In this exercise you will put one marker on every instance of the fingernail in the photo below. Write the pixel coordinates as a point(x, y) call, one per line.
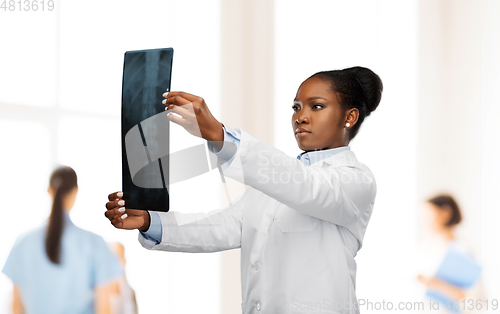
point(119, 194)
point(124, 216)
point(121, 210)
point(164, 101)
point(165, 94)
point(121, 202)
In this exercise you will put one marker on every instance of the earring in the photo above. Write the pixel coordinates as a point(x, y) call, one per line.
point(347, 124)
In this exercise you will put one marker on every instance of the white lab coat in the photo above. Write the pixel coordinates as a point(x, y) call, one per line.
point(298, 237)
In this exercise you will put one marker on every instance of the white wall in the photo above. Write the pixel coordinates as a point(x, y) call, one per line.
point(458, 109)
point(458, 150)
point(490, 147)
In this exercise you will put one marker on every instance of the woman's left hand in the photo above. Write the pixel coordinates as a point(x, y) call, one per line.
point(195, 116)
point(428, 281)
point(447, 288)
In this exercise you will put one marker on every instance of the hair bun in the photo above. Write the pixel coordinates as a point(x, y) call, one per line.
point(371, 85)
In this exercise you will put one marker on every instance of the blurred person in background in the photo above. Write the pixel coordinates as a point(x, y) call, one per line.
point(125, 301)
point(58, 267)
point(441, 215)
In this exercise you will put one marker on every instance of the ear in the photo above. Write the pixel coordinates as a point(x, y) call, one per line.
point(352, 116)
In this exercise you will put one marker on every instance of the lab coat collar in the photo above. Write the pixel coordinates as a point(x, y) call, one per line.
point(316, 156)
point(346, 157)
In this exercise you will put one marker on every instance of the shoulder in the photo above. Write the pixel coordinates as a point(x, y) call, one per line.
point(464, 246)
point(30, 235)
point(26, 246)
point(347, 160)
point(349, 171)
point(89, 236)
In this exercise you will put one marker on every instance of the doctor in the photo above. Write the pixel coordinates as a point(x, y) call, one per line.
point(303, 219)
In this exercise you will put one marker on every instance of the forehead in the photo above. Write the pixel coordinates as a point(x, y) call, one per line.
point(429, 206)
point(314, 87)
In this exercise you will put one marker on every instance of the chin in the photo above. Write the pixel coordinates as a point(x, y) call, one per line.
point(304, 147)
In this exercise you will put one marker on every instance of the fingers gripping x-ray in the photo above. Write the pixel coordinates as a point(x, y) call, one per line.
point(147, 143)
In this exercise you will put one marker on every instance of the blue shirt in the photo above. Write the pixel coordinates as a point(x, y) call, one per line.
point(86, 261)
point(231, 135)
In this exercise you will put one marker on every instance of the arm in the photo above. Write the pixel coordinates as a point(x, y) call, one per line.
point(225, 152)
point(448, 289)
point(338, 194)
point(230, 146)
point(214, 231)
point(335, 194)
point(17, 304)
point(217, 230)
point(103, 294)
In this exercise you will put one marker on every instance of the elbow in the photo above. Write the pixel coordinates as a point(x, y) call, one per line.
point(352, 215)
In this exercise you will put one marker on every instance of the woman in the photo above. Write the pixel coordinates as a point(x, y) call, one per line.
point(124, 302)
point(302, 221)
point(442, 216)
point(58, 267)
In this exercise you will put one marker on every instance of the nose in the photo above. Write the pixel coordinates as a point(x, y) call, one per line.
point(302, 116)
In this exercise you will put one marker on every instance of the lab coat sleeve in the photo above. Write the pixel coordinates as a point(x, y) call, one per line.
point(335, 193)
point(217, 230)
point(228, 150)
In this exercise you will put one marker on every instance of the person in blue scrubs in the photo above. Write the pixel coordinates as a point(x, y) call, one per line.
point(59, 267)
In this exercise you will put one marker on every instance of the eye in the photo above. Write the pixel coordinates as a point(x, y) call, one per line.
point(319, 105)
point(295, 107)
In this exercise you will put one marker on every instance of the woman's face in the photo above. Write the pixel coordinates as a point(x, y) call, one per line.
point(435, 216)
point(317, 110)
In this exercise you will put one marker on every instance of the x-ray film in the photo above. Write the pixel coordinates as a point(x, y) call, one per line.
point(145, 129)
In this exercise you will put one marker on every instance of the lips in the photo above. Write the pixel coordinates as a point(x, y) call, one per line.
point(300, 132)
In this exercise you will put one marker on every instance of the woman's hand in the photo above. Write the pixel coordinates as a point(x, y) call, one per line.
point(443, 286)
point(125, 218)
point(195, 116)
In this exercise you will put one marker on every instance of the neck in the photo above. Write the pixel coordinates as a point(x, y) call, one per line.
point(447, 233)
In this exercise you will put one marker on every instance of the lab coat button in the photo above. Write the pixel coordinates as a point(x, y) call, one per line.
point(257, 266)
point(258, 306)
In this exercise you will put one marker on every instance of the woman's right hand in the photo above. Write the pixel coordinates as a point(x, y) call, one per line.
point(125, 218)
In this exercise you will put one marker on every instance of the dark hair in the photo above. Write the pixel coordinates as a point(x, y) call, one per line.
point(62, 181)
point(358, 88)
point(445, 201)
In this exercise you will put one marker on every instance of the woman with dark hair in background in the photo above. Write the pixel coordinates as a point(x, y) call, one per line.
point(303, 219)
point(58, 267)
point(441, 217)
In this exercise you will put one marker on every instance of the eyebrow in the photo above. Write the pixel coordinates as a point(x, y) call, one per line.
point(310, 98)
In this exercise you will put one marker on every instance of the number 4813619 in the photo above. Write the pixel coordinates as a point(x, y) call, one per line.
point(27, 5)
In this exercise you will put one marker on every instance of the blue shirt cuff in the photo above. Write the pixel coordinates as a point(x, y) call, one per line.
point(155, 231)
point(230, 146)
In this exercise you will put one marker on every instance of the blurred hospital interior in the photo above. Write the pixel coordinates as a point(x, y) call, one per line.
point(434, 132)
